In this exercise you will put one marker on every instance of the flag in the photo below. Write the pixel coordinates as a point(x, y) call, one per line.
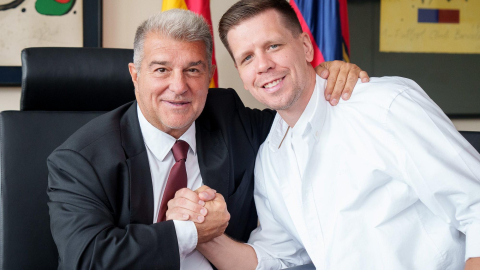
point(326, 22)
point(201, 7)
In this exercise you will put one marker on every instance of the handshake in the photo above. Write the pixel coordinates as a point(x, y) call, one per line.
point(205, 207)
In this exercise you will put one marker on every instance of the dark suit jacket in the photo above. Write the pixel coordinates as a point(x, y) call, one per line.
point(100, 186)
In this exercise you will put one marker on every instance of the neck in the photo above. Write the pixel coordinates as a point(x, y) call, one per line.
point(293, 113)
point(177, 133)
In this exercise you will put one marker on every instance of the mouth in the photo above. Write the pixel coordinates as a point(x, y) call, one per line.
point(177, 104)
point(273, 83)
point(273, 86)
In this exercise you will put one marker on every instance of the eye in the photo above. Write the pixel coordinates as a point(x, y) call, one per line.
point(161, 70)
point(193, 70)
point(247, 58)
point(274, 46)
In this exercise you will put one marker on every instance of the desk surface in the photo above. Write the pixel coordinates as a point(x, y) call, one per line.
point(303, 267)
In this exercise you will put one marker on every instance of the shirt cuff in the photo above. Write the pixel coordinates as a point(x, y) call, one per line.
point(187, 237)
point(265, 261)
point(472, 233)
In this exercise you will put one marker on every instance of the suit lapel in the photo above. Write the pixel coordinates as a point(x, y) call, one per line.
point(141, 189)
point(213, 157)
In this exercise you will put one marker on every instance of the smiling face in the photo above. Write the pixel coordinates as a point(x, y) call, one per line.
point(171, 86)
point(273, 63)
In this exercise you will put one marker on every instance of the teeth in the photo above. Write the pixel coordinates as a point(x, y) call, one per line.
point(272, 84)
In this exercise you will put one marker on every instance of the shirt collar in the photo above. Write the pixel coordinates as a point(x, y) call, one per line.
point(159, 142)
point(310, 122)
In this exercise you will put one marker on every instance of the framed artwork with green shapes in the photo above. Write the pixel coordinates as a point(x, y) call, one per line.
point(45, 23)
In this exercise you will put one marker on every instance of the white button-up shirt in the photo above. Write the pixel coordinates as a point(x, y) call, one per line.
point(383, 181)
point(160, 158)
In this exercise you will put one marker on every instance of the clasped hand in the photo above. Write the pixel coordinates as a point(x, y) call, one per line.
point(206, 208)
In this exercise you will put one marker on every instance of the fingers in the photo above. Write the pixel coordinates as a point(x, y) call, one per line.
point(219, 198)
point(354, 72)
point(202, 188)
point(351, 81)
point(189, 195)
point(322, 70)
point(183, 209)
point(334, 70)
point(205, 193)
point(185, 214)
point(186, 206)
point(216, 221)
point(340, 84)
point(342, 80)
point(364, 76)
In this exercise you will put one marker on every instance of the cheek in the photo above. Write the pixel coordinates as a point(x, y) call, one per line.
point(248, 79)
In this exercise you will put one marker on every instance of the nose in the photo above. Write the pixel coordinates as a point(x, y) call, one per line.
point(264, 63)
point(178, 83)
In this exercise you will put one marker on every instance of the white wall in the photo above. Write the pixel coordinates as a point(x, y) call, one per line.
point(120, 20)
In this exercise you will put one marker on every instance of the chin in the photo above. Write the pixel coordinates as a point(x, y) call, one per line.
point(179, 124)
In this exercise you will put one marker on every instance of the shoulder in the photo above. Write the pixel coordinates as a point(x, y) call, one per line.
point(378, 95)
point(382, 90)
point(105, 128)
point(221, 104)
point(222, 99)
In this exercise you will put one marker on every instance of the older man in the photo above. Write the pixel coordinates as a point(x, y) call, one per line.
point(110, 182)
point(383, 181)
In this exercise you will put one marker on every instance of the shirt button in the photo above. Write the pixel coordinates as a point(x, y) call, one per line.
point(317, 134)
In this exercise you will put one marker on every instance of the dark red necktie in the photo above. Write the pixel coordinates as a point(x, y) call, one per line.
point(177, 178)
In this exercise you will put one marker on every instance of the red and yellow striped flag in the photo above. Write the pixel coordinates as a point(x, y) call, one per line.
point(201, 7)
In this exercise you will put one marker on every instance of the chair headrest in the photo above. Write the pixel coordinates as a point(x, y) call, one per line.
point(75, 79)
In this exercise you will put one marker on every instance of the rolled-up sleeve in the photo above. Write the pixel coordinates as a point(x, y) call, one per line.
point(439, 164)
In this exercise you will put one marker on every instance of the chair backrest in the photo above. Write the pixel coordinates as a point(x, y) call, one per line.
point(473, 137)
point(62, 89)
point(26, 140)
point(75, 79)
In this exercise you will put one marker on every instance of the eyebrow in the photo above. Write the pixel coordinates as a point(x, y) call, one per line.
point(200, 62)
point(165, 63)
point(162, 63)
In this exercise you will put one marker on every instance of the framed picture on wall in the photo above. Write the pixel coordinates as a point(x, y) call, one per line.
point(45, 23)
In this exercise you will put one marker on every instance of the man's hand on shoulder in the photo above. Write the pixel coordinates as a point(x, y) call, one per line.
point(206, 208)
point(341, 79)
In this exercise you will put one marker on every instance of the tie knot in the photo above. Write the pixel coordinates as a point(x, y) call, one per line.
point(180, 150)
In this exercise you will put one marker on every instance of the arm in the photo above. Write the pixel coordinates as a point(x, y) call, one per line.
point(226, 253)
point(84, 227)
point(270, 246)
point(472, 264)
point(437, 162)
point(222, 251)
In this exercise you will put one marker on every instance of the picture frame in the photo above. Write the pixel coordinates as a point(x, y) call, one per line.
point(92, 37)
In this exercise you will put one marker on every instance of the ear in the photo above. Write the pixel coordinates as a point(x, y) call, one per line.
point(307, 46)
point(133, 74)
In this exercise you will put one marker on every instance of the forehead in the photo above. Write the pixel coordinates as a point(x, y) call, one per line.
point(157, 45)
point(264, 24)
point(264, 27)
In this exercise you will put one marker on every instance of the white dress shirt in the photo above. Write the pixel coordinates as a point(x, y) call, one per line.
point(160, 158)
point(383, 181)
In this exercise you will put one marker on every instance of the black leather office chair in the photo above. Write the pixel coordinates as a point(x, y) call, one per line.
point(473, 138)
point(75, 79)
point(62, 89)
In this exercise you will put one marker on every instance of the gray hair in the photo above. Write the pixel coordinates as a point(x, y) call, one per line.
point(177, 24)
